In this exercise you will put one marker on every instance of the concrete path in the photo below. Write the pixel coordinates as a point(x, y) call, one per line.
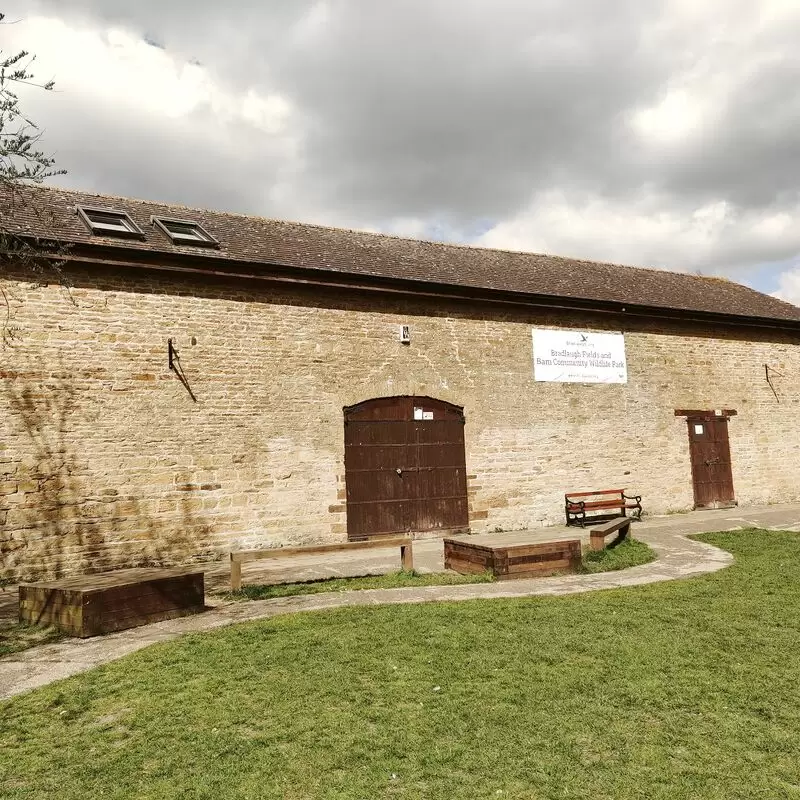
point(678, 557)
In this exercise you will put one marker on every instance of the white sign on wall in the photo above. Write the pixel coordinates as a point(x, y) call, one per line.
point(562, 356)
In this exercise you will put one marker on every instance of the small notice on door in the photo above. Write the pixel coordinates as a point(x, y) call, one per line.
point(420, 413)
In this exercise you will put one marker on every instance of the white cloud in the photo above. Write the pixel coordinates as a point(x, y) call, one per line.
point(270, 114)
point(789, 285)
point(411, 227)
point(118, 69)
point(128, 107)
point(649, 231)
point(675, 117)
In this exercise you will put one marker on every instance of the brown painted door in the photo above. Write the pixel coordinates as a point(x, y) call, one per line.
point(405, 467)
point(710, 454)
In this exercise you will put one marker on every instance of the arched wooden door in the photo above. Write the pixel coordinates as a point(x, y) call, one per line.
point(405, 468)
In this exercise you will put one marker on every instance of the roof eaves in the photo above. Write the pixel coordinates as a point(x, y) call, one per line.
point(202, 261)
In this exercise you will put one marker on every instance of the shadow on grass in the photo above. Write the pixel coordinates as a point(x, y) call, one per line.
point(16, 637)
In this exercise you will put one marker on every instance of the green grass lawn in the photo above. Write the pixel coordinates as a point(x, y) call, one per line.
point(685, 689)
point(628, 553)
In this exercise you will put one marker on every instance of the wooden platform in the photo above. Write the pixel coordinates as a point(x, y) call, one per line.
point(510, 561)
point(90, 605)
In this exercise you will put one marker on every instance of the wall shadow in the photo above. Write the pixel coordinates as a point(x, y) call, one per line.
point(59, 514)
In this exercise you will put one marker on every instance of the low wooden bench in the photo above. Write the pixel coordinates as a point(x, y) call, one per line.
point(598, 533)
point(603, 503)
point(405, 543)
point(510, 561)
point(89, 605)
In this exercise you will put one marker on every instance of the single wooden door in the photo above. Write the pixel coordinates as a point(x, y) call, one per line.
point(405, 469)
point(710, 455)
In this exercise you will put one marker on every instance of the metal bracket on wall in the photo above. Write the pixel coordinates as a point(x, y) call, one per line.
point(767, 371)
point(175, 365)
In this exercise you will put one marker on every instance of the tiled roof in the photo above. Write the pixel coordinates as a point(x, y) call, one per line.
point(272, 242)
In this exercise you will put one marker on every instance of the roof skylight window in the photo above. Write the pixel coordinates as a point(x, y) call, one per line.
point(185, 232)
point(107, 222)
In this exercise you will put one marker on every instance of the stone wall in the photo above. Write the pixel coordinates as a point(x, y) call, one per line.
point(107, 461)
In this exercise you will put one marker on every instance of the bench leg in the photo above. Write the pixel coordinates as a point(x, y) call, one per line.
point(407, 557)
point(236, 575)
point(622, 535)
point(596, 541)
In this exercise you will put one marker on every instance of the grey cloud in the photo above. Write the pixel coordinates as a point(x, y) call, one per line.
point(423, 111)
point(752, 155)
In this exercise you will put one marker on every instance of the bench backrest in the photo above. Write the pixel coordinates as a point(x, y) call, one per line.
point(571, 495)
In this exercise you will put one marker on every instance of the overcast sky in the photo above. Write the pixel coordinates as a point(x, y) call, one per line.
point(648, 132)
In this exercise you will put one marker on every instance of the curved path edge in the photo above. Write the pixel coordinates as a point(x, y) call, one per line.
point(677, 557)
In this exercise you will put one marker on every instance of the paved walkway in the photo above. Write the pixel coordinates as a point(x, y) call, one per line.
point(678, 557)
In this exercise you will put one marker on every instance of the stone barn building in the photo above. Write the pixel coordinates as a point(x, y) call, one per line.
point(186, 382)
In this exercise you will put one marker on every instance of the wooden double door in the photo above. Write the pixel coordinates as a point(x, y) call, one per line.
point(405, 467)
point(709, 450)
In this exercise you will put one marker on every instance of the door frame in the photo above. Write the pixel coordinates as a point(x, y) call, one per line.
point(697, 416)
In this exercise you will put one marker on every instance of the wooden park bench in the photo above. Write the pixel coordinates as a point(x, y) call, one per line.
point(242, 556)
point(602, 503)
point(597, 535)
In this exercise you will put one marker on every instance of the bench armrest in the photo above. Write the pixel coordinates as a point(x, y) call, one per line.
point(636, 497)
